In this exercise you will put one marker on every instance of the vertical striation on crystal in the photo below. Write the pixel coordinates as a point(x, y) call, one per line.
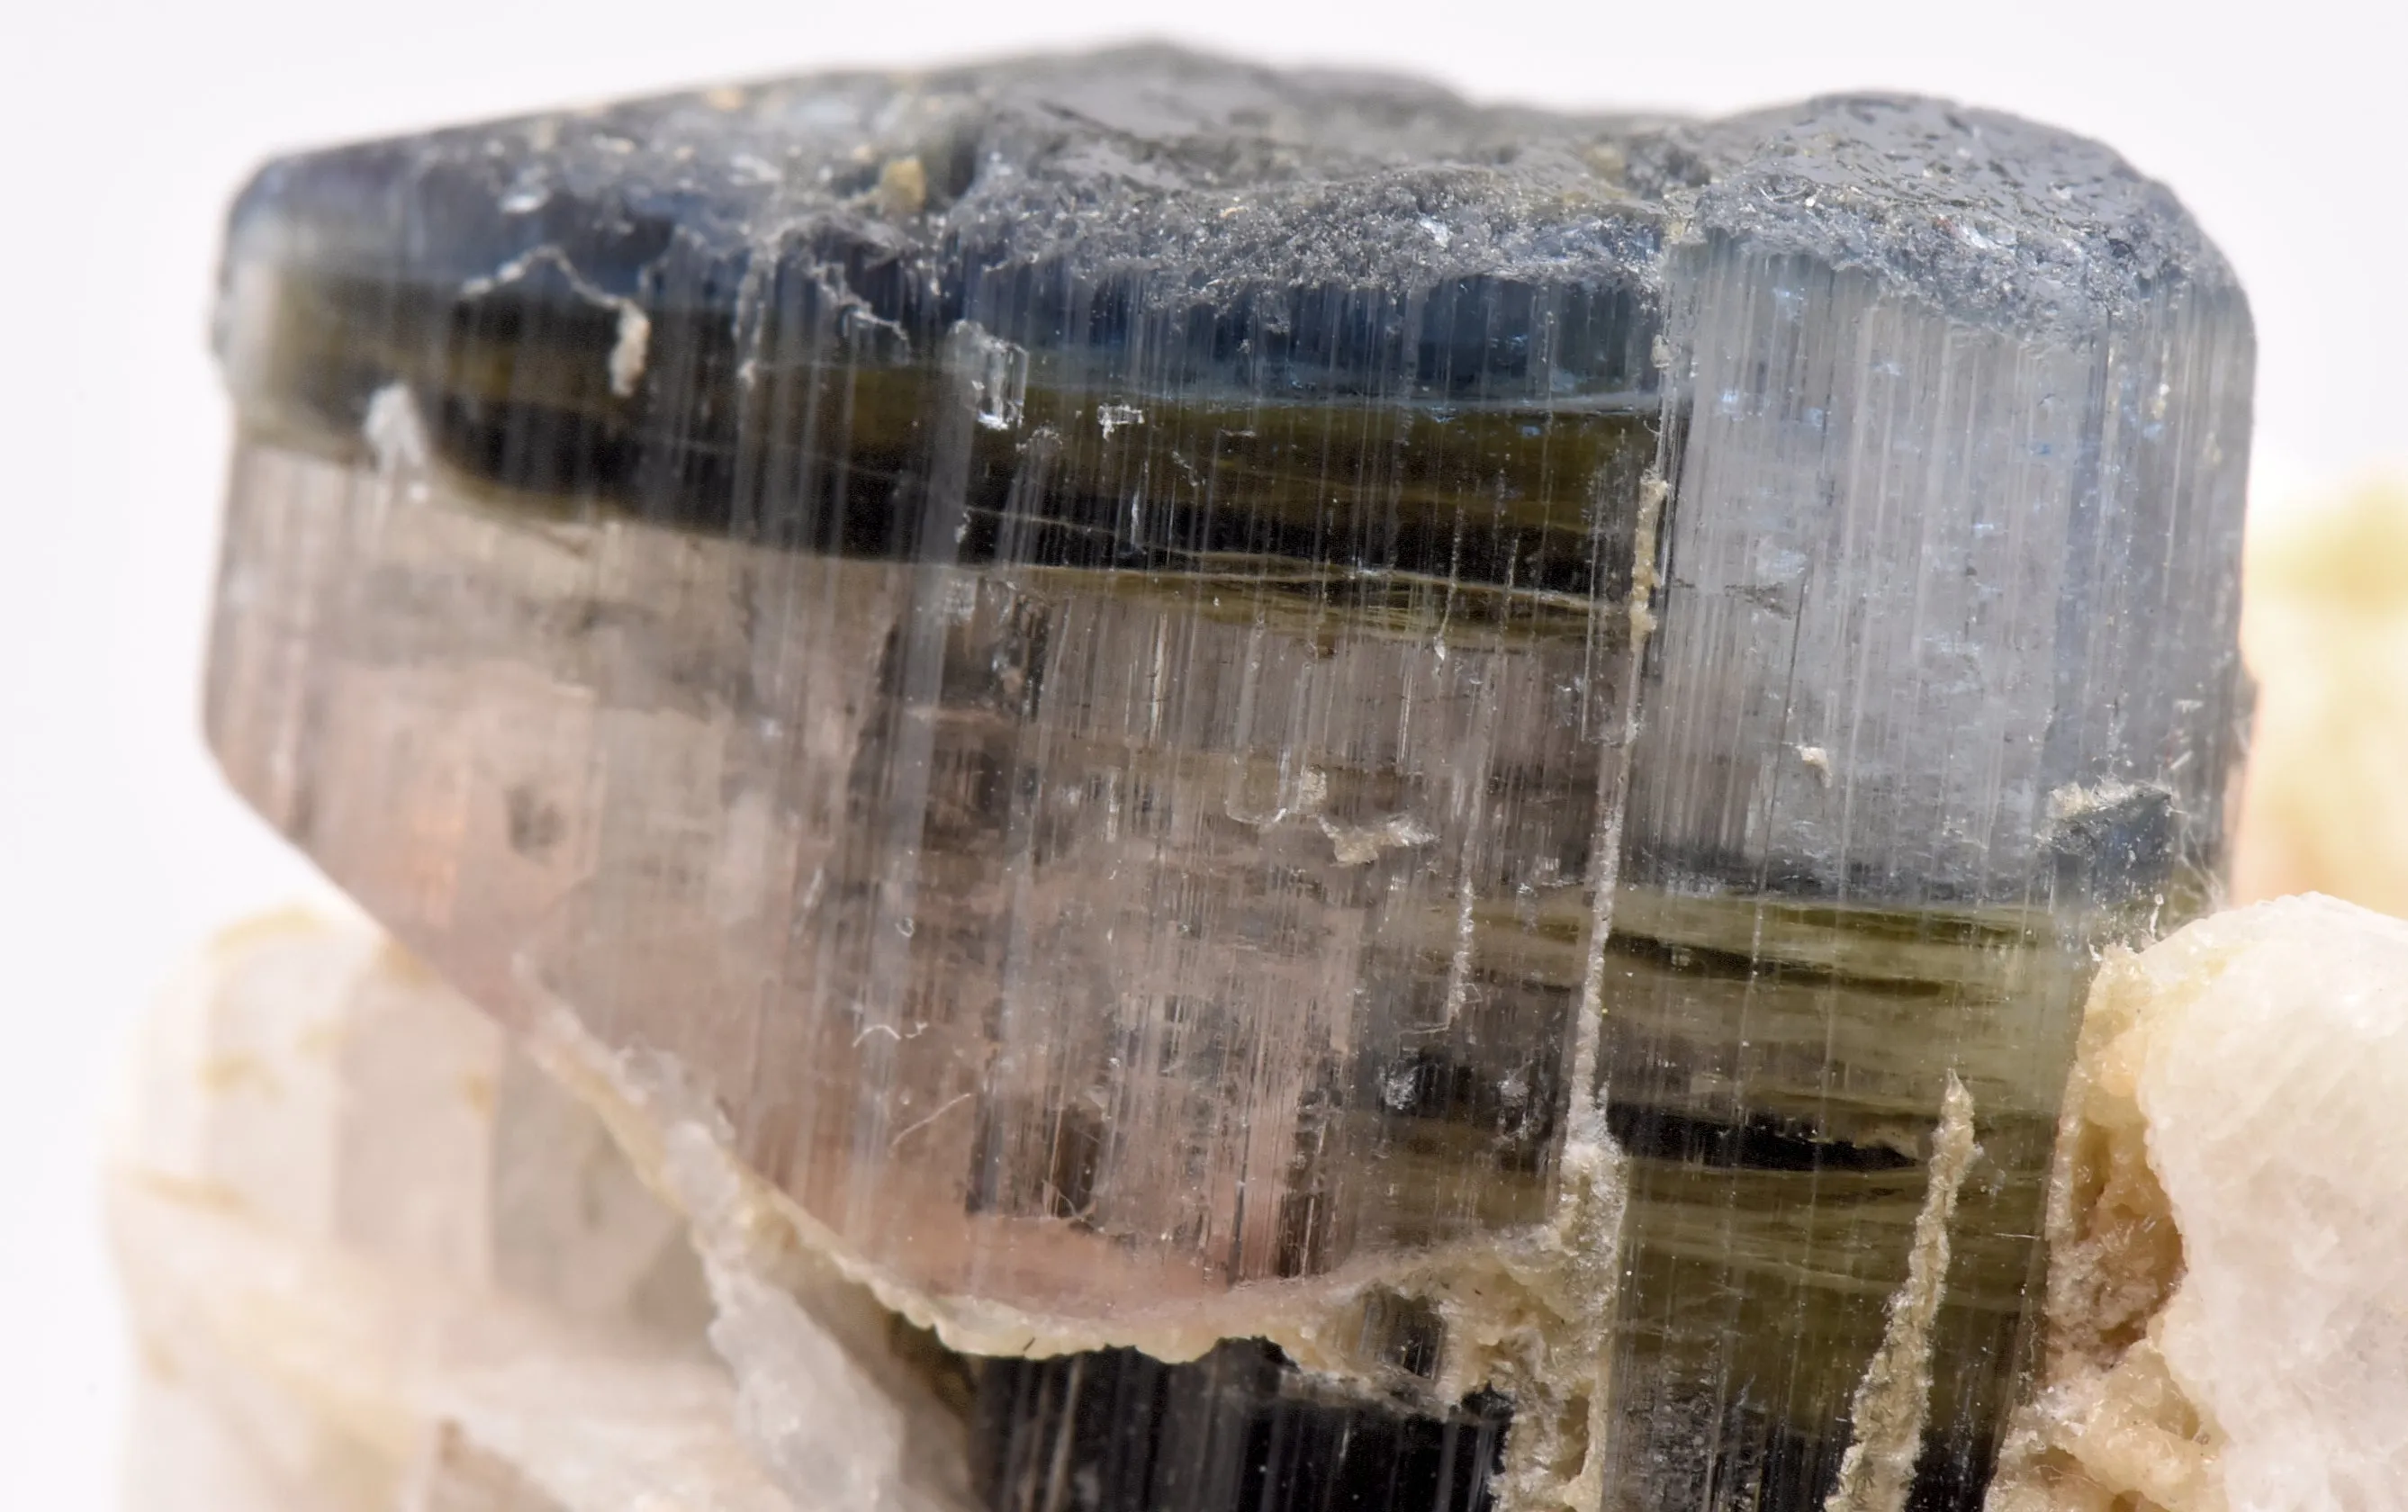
point(1942, 697)
point(1212, 705)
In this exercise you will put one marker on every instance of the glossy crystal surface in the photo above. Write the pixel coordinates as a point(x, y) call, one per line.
point(1178, 687)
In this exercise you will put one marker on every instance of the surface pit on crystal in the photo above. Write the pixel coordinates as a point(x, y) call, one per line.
point(1174, 749)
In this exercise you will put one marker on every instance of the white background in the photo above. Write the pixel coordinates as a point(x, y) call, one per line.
point(127, 126)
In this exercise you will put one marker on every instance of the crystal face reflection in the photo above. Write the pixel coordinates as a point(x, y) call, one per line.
point(1171, 747)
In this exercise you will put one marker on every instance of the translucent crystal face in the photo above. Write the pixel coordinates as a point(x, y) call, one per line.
point(1178, 688)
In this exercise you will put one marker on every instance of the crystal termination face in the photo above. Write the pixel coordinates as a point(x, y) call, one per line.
point(1206, 705)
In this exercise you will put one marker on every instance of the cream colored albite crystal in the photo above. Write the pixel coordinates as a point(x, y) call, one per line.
point(2275, 1104)
point(379, 1261)
point(2326, 631)
point(2228, 1291)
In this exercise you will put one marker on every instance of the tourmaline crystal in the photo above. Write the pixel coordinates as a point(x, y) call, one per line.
point(1196, 706)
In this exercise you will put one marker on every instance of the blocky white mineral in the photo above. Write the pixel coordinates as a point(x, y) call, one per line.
point(2230, 1287)
point(2275, 1093)
point(379, 1261)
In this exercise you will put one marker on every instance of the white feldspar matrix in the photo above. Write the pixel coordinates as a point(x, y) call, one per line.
point(2228, 1226)
point(1339, 777)
point(379, 1261)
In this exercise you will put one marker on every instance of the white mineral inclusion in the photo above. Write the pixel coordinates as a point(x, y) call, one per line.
point(2275, 1091)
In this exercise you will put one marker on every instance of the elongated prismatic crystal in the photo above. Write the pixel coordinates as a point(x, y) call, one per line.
point(1414, 796)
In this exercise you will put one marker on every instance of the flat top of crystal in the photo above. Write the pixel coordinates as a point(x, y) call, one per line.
point(1207, 175)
